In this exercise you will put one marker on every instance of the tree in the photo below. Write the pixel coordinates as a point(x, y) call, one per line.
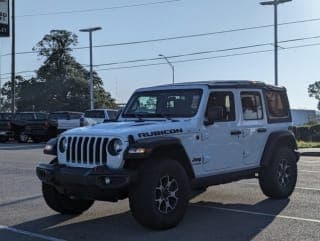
point(61, 82)
point(314, 91)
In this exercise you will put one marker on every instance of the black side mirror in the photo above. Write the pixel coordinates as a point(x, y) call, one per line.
point(214, 113)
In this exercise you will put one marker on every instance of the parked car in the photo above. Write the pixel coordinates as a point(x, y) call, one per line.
point(60, 121)
point(96, 116)
point(170, 142)
point(26, 125)
point(5, 130)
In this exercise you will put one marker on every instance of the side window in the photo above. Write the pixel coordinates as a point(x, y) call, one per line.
point(251, 105)
point(41, 116)
point(74, 116)
point(278, 105)
point(225, 100)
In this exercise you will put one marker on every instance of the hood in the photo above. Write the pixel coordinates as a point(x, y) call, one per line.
point(137, 129)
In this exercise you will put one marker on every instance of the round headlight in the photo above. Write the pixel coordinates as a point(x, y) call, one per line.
point(115, 146)
point(63, 144)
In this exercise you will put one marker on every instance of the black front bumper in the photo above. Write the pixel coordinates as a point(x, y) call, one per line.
point(88, 183)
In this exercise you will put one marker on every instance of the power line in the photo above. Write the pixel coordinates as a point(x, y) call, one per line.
point(178, 37)
point(208, 58)
point(208, 51)
point(196, 53)
point(99, 9)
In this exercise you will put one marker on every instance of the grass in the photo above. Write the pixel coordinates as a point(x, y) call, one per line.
point(303, 144)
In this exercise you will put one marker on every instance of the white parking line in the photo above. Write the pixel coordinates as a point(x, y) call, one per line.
point(309, 171)
point(302, 188)
point(258, 213)
point(30, 234)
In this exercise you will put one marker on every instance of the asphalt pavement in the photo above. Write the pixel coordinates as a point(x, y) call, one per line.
point(236, 211)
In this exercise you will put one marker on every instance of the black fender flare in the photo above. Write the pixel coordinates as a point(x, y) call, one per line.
point(275, 140)
point(51, 147)
point(157, 147)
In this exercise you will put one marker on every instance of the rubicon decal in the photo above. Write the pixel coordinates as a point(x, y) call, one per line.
point(160, 133)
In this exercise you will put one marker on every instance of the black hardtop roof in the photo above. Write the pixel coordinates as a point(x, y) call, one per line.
point(231, 84)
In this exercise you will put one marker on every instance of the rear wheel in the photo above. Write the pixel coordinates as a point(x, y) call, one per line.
point(62, 203)
point(161, 197)
point(279, 178)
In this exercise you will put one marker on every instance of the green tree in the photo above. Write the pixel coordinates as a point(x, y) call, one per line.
point(61, 82)
point(314, 91)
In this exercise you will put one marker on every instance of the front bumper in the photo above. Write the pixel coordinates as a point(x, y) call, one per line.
point(87, 183)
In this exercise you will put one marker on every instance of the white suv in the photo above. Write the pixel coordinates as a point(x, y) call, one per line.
point(171, 140)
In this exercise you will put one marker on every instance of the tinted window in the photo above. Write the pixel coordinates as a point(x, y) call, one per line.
point(41, 116)
point(225, 100)
point(27, 116)
point(74, 116)
point(58, 116)
point(278, 105)
point(5, 116)
point(94, 114)
point(251, 106)
point(112, 114)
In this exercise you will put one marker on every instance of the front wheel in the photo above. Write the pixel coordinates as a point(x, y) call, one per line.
point(160, 198)
point(62, 203)
point(279, 178)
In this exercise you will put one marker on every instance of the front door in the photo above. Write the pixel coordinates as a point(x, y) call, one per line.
point(221, 141)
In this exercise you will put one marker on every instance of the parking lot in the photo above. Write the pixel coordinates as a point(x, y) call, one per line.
point(237, 211)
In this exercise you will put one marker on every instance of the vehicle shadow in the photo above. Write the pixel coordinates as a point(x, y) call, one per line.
point(201, 222)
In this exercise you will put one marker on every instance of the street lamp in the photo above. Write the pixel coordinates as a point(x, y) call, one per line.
point(275, 3)
point(170, 64)
point(90, 30)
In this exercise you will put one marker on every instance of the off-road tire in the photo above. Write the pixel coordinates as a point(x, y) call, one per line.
point(278, 179)
point(146, 197)
point(22, 138)
point(63, 204)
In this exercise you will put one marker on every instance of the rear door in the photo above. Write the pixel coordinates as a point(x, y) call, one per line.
point(254, 131)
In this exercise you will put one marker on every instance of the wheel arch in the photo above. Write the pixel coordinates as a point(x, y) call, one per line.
point(159, 147)
point(275, 141)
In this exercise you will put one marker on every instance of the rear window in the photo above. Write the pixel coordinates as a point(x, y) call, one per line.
point(5, 116)
point(94, 114)
point(278, 106)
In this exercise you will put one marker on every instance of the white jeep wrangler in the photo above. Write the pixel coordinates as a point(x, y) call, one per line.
point(170, 141)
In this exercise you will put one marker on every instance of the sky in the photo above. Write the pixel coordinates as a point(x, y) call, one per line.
point(298, 67)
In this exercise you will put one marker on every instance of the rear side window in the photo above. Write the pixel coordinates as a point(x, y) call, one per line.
point(278, 106)
point(5, 116)
point(41, 116)
point(251, 105)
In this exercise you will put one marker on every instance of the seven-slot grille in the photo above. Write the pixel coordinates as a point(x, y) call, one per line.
point(91, 151)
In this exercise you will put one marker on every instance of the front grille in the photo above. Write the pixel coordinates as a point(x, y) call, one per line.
point(88, 151)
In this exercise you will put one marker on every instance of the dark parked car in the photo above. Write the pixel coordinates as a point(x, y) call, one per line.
point(61, 121)
point(26, 125)
point(5, 130)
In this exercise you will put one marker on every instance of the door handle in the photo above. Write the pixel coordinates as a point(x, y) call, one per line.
point(261, 130)
point(235, 133)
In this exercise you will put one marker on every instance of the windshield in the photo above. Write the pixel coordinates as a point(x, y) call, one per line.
point(165, 103)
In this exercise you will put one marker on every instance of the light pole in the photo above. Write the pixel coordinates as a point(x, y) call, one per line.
point(275, 3)
point(90, 30)
point(170, 64)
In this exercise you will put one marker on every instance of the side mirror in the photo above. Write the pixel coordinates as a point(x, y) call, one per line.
point(214, 113)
